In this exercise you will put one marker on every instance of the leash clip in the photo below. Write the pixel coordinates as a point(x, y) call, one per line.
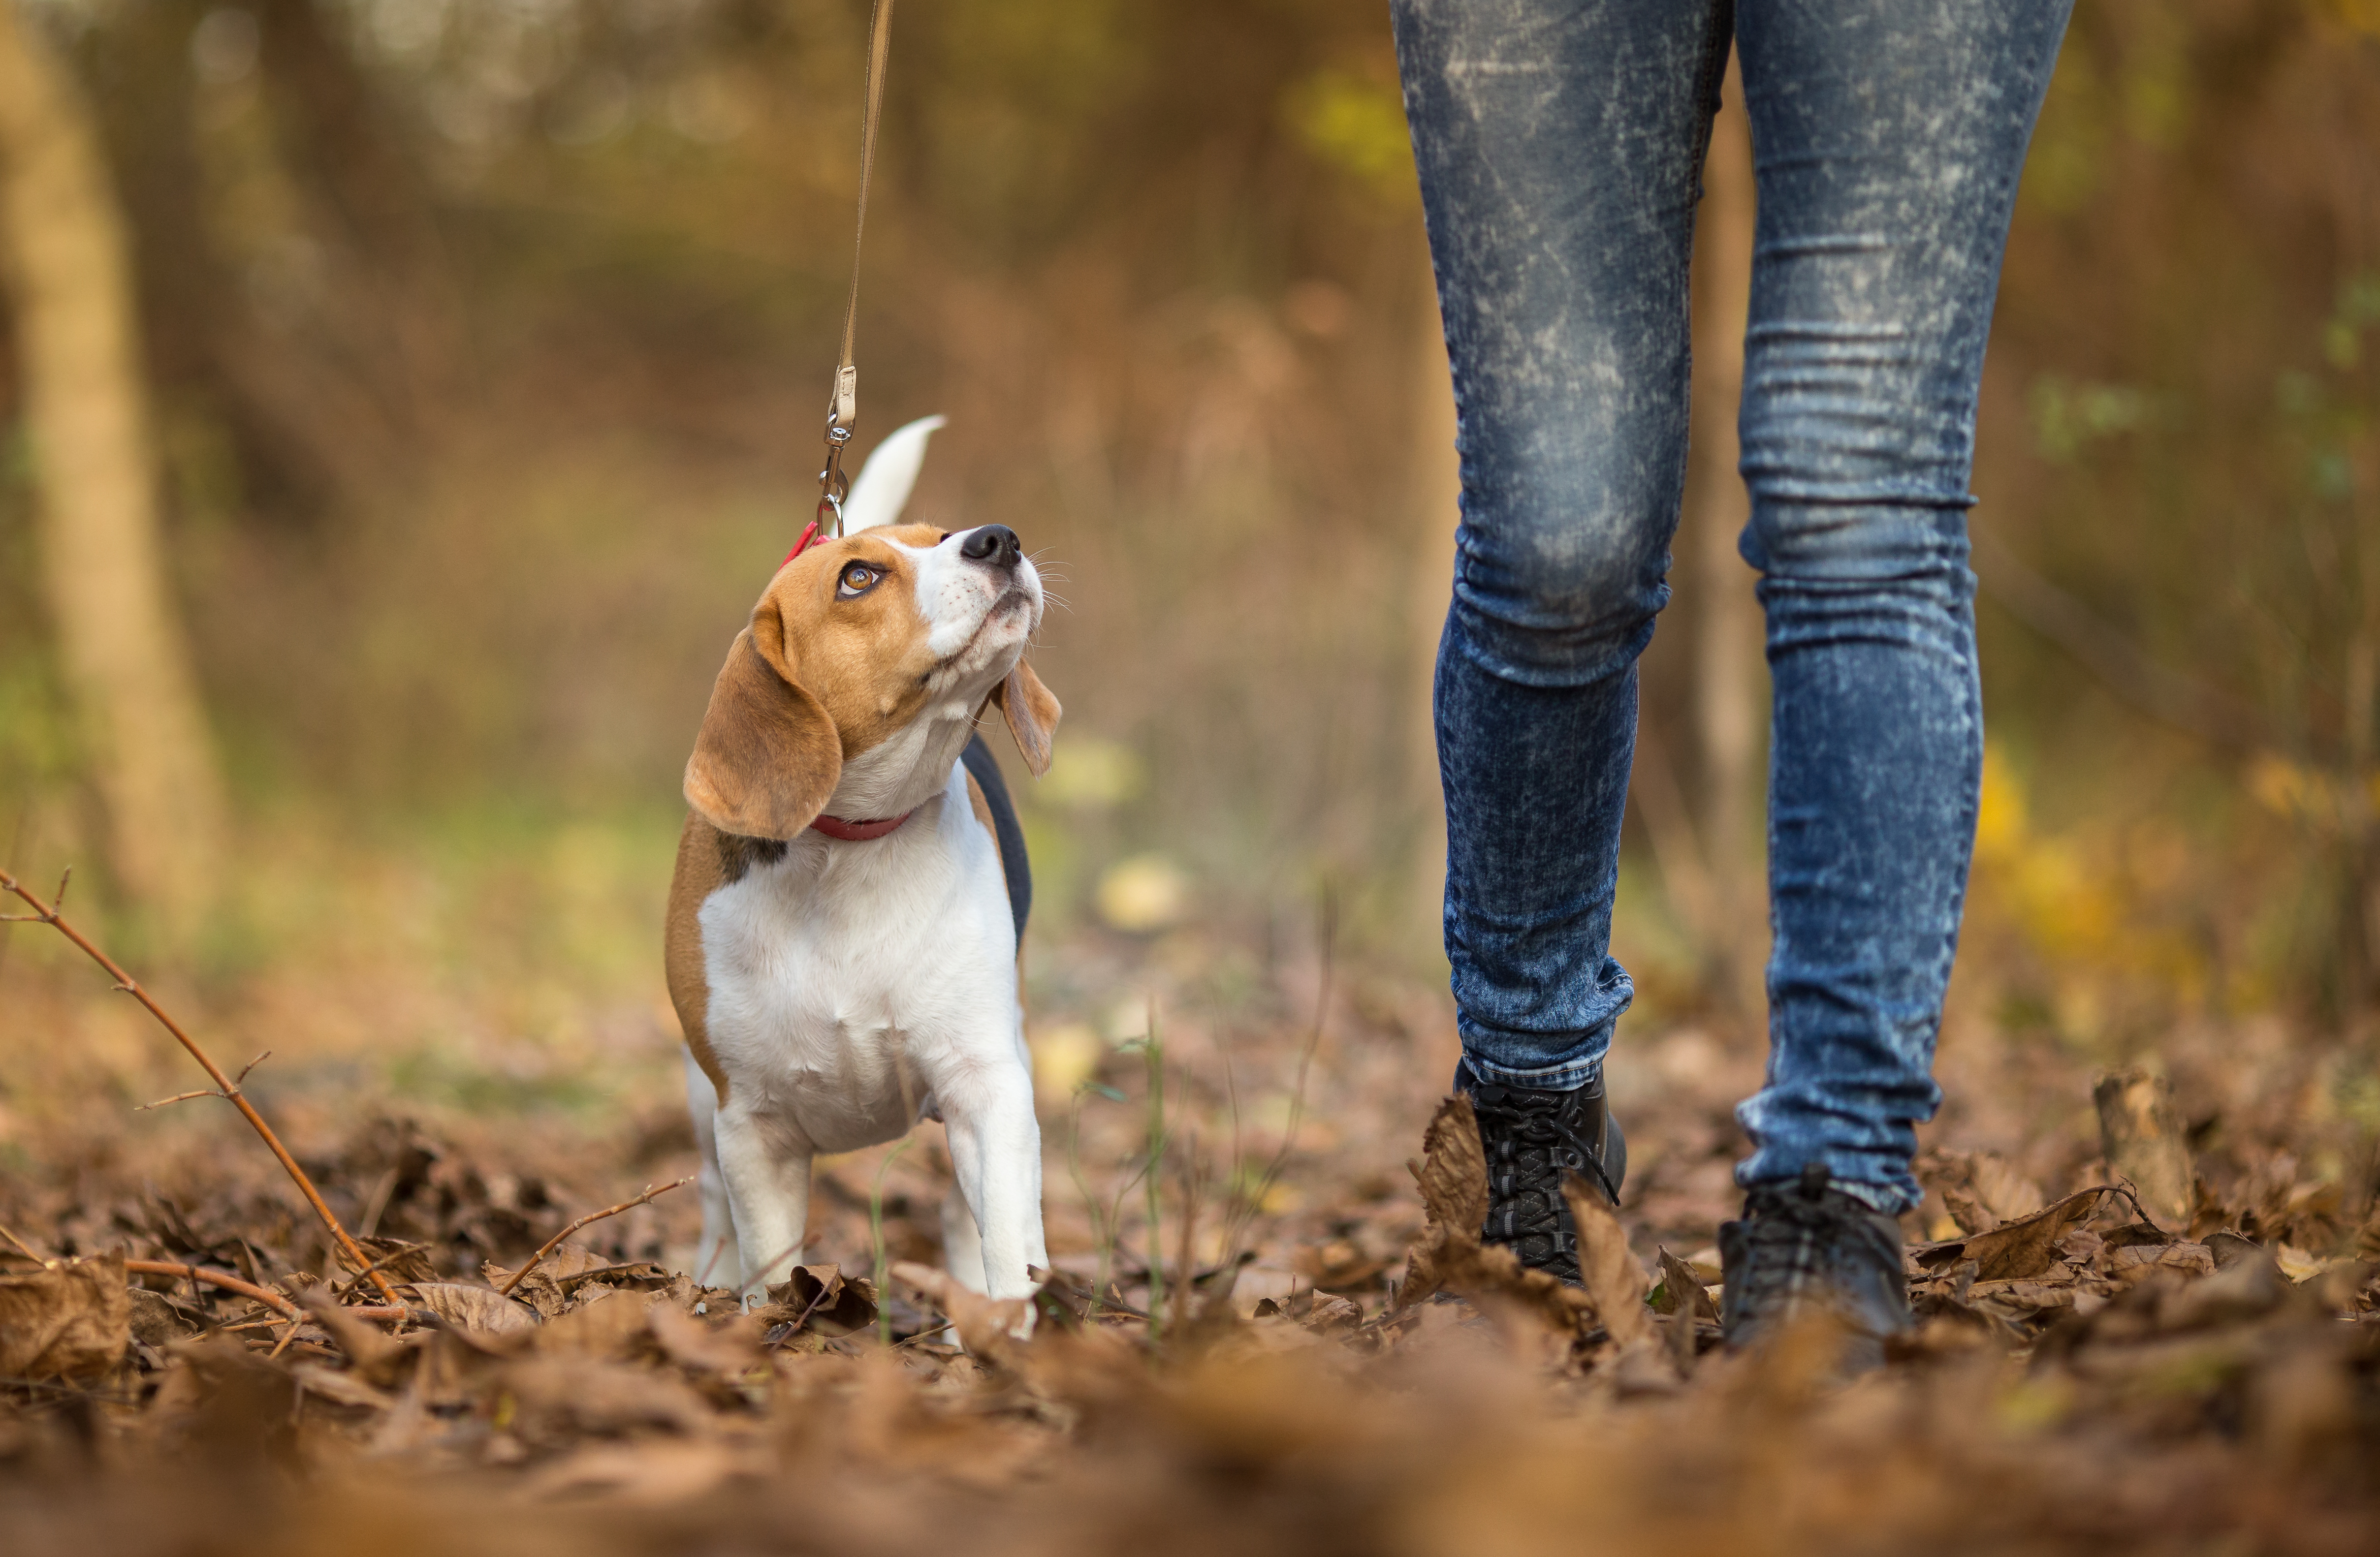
point(834, 485)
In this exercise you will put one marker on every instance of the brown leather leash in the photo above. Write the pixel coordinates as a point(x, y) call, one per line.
point(842, 404)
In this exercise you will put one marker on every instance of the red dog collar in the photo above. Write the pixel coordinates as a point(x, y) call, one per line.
point(809, 538)
point(859, 832)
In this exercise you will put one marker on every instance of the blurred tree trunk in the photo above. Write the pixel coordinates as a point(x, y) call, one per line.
point(124, 653)
point(1727, 659)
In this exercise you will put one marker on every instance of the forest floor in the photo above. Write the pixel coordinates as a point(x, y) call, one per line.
point(2084, 1378)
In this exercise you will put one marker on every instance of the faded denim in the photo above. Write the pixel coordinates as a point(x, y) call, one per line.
point(1559, 145)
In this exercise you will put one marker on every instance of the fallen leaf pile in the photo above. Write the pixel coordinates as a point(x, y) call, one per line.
point(2083, 1378)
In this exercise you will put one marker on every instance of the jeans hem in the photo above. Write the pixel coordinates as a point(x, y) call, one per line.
point(1566, 1076)
point(1892, 1197)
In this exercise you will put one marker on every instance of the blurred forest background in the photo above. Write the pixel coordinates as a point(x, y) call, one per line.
point(477, 353)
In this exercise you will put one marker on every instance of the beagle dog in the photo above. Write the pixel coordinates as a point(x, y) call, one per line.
point(842, 931)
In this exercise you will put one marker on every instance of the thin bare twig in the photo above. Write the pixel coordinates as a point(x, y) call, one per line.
point(556, 1242)
point(22, 1247)
point(177, 1097)
point(223, 1279)
point(48, 914)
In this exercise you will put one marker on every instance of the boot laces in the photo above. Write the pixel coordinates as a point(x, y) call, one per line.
point(1530, 1146)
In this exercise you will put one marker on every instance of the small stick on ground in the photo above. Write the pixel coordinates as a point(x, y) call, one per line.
point(47, 913)
point(223, 1279)
point(556, 1242)
point(21, 1247)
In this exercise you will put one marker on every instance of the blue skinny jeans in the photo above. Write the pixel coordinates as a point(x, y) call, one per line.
point(1559, 144)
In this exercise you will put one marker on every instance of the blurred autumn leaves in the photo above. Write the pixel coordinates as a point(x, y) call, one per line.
point(485, 342)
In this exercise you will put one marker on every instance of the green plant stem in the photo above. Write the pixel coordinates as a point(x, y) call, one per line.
point(1154, 1052)
point(876, 1231)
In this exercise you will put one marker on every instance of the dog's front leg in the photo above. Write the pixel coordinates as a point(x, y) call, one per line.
point(715, 1256)
point(766, 1165)
point(996, 1155)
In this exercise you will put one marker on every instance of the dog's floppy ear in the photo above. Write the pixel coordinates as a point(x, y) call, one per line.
point(1032, 715)
point(767, 755)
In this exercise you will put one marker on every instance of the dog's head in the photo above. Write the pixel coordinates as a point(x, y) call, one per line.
point(856, 639)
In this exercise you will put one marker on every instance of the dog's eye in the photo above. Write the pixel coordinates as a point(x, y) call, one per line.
point(858, 578)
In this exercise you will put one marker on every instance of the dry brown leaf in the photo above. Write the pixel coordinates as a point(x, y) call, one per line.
point(729, 1346)
point(339, 1387)
point(609, 1325)
point(554, 1393)
point(1452, 1172)
point(1327, 1313)
point(641, 1474)
point(1687, 1302)
point(1493, 1275)
point(72, 1319)
point(988, 1326)
point(159, 1320)
point(399, 1259)
point(2001, 1190)
point(475, 1310)
point(1967, 1213)
point(820, 1299)
point(2020, 1298)
point(2192, 1259)
point(376, 1356)
point(1685, 1282)
point(2247, 1290)
point(1612, 1277)
point(2028, 1247)
point(560, 1274)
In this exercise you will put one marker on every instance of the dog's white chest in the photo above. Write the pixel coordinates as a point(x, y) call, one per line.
point(845, 975)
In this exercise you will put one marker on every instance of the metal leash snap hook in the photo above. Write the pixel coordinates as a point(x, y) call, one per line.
point(834, 485)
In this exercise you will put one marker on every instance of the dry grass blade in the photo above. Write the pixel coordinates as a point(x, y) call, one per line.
point(47, 913)
point(22, 1247)
point(588, 1220)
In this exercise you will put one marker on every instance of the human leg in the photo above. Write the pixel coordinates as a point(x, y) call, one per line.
point(1888, 139)
point(1559, 148)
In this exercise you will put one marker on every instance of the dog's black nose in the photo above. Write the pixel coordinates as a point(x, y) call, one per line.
point(995, 544)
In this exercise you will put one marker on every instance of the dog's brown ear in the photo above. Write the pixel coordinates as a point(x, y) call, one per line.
point(1032, 714)
point(767, 755)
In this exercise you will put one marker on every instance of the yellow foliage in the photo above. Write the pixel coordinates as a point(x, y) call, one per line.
point(2361, 16)
point(2000, 815)
point(1357, 124)
point(2085, 904)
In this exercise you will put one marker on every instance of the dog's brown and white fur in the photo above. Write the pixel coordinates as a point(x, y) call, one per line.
point(832, 993)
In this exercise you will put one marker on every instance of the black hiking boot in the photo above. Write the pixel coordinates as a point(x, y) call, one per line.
point(1804, 1247)
point(1533, 1138)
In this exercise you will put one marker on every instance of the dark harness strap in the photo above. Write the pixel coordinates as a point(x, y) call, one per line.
point(986, 772)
